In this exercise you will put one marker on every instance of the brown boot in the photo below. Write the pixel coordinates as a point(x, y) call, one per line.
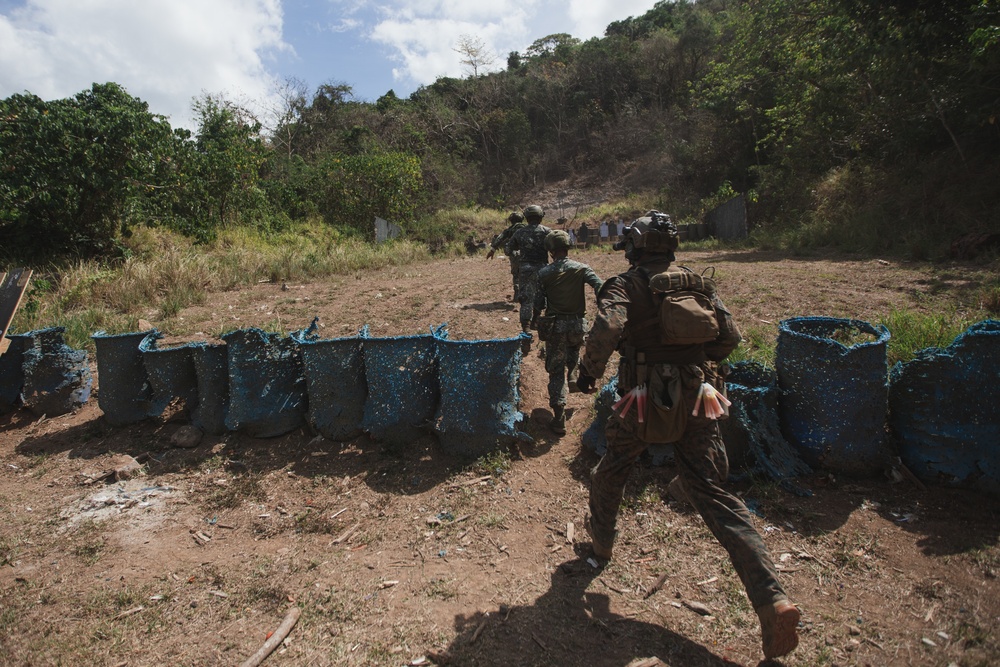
point(526, 343)
point(602, 551)
point(558, 423)
point(778, 623)
point(677, 491)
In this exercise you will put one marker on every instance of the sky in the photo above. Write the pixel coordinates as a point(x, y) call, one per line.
point(170, 52)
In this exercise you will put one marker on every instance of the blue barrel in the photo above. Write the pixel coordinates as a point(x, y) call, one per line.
point(943, 410)
point(171, 374)
point(479, 407)
point(403, 389)
point(57, 378)
point(211, 367)
point(123, 387)
point(267, 388)
point(834, 396)
point(335, 383)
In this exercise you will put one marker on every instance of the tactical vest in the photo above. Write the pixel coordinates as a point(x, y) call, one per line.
point(637, 337)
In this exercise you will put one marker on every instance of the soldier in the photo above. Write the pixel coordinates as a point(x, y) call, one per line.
point(673, 375)
point(561, 296)
point(503, 239)
point(530, 242)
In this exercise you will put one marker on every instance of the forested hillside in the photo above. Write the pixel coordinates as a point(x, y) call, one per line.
point(865, 126)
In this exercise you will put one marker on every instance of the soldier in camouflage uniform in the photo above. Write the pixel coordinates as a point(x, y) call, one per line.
point(624, 304)
point(530, 242)
point(561, 296)
point(503, 240)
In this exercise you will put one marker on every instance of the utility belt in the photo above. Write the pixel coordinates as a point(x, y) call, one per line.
point(680, 355)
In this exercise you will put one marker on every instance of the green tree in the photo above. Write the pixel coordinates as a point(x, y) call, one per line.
point(70, 169)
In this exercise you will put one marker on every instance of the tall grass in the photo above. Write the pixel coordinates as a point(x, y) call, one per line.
point(913, 331)
point(165, 272)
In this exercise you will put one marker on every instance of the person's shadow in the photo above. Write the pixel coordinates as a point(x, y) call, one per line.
point(568, 625)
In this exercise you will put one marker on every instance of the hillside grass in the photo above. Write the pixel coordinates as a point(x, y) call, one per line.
point(164, 272)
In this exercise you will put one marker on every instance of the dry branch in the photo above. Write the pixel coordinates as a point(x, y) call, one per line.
point(272, 642)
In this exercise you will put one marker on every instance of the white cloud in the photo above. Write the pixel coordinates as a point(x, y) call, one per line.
point(423, 34)
point(166, 52)
point(589, 18)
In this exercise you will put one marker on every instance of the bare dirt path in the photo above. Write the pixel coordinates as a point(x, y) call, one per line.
point(411, 557)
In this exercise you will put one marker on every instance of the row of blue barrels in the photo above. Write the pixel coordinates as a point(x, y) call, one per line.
point(846, 411)
point(832, 403)
point(396, 389)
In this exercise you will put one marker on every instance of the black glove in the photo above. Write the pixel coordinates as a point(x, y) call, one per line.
point(585, 383)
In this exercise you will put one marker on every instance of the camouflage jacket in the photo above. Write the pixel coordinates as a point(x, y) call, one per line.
point(503, 239)
point(530, 241)
point(561, 288)
point(627, 298)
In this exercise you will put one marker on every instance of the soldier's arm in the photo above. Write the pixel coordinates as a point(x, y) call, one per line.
point(592, 279)
point(729, 334)
point(541, 301)
point(609, 325)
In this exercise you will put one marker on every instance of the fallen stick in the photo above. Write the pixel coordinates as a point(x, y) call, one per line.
point(657, 585)
point(274, 640)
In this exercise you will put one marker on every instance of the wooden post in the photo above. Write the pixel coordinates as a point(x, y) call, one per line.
point(12, 288)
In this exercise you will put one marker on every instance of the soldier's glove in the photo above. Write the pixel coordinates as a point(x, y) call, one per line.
point(489, 255)
point(585, 383)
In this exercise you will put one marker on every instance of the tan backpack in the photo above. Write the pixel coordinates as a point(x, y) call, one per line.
point(687, 313)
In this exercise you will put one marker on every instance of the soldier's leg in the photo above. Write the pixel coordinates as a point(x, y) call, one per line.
point(515, 271)
point(555, 366)
point(526, 292)
point(607, 482)
point(572, 364)
point(701, 457)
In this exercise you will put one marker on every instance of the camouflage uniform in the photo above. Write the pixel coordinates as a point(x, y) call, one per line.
point(700, 452)
point(530, 242)
point(503, 239)
point(561, 295)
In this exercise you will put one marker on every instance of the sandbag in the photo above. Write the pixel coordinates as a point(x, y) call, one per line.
point(834, 397)
point(478, 409)
point(11, 373)
point(211, 366)
point(123, 386)
point(335, 382)
point(267, 388)
point(403, 389)
point(942, 410)
point(57, 378)
point(171, 374)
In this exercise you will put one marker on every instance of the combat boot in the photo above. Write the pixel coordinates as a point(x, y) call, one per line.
point(571, 377)
point(558, 423)
point(778, 623)
point(677, 491)
point(526, 343)
point(602, 551)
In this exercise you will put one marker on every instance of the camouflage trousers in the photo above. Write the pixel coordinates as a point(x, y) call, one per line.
point(703, 466)
point(562, 362)
point(527, 288)
point(515, 274)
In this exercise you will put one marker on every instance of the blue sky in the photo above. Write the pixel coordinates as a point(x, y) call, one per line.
point(169, 52)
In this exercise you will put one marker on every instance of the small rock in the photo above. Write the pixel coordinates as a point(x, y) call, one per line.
point(186, 437)
point(127, 469)
point(928, 642)
point(854, 630)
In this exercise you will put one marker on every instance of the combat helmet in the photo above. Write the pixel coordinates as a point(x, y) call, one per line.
point(515, 217)
point(557, 239)
point(534, 212)
point(654, 233)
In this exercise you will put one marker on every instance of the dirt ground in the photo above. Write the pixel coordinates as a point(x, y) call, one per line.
point(411, 557)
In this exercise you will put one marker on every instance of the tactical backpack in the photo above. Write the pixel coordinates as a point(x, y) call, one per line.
point(685, 303)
